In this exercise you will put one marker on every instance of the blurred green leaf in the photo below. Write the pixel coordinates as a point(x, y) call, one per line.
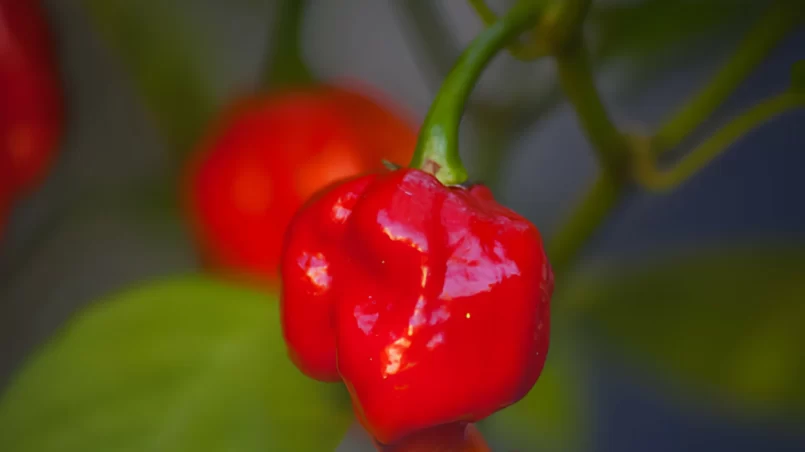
point(165, 58)
point(550, 417)
point(728, 322)
point(189, 364)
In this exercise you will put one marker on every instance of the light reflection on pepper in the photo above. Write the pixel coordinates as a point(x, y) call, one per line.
point(316, 268)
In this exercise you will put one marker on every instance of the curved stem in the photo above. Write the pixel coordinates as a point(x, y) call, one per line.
point(566, 245)
point(576, 79)
point(647, 173)
point(561, 25)
point(437, 148)
point(781, 18)
point(522, 51)
point(613, 148)
point(437, 49)
point(563, 29)
point(286, 65)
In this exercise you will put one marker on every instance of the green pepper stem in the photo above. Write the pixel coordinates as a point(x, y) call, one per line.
point(563, 28)
point(576, 78)
point(561, 24)
point(652, 178)
point(286, 65)
point(781, 18)
point(525, 51)
point(613, 147)
point(437, 148)
point(566, 245)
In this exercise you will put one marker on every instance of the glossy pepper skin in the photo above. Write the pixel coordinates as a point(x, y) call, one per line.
point(430, 302)
point(268, 154)
point(30, 94)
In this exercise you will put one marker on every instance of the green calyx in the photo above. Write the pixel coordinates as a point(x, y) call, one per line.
point(437, 149)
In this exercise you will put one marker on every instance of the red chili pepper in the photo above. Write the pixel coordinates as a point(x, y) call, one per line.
point(269, 154)
point(456, 437)
point(430, 302)
point(30, 94)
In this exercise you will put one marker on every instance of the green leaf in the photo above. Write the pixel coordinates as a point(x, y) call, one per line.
point(727, 323)
point(188, 364)
point(550, 416)
point(165, 59)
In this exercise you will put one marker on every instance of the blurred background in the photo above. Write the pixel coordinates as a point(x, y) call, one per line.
point(681, 328)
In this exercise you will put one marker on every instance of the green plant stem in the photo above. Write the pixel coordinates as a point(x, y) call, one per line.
point(566, 245)
point(647, 173)
point(561, 25)
point(485, 13)
point(563, 31)
point(525, 51)
point(164, 56)
point(437, 148)
point(436, 49)
point(781, 18)
point(576, 79)
point(286, 65)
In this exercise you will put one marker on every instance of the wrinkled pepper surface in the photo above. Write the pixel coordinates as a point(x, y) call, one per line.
point(430, 302)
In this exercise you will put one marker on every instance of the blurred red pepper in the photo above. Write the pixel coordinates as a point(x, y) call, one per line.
point(270, 153)
point(430, 302)
point(30, 94)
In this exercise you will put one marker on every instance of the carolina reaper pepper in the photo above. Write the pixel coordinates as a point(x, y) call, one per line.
point(456, 437)
point(430, 302)
point(269, 153)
